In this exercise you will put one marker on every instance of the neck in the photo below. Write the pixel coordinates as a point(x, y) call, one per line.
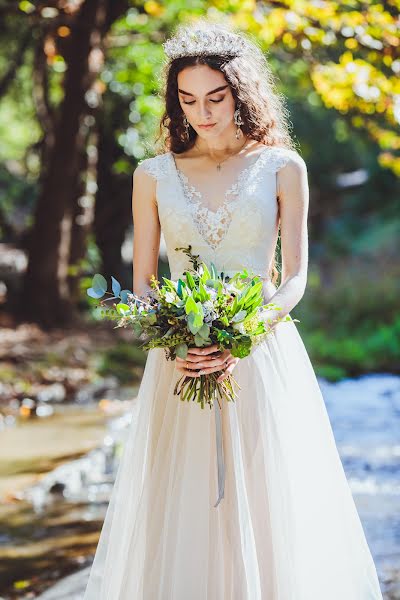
point(220, 146)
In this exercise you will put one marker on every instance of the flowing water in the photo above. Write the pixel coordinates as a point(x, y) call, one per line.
point(59, 518)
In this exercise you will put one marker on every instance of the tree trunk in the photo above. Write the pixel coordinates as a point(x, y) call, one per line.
point(113, 213)
point(44, 293)
point(46, 298)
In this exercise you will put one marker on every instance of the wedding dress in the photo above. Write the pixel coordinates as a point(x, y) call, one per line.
point(287, 527)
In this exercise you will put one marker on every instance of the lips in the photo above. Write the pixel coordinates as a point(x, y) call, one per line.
point(207, 126)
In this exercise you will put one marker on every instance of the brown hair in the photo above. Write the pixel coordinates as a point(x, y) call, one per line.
point(252, 83)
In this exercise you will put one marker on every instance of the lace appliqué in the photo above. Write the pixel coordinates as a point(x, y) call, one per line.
point(212, 225)
point(157, 166)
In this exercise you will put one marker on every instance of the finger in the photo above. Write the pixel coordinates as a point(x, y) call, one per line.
point(204, 351)
point(212, 361)
point(230, 366)
point(203, 358)
point(206, 363)
point(217, 364)
point(222, 355)
point(189, 372)
point(208, 370)
point(188, 360)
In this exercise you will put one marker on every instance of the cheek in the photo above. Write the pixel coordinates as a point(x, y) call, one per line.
point(225, 115)
point(226, 110)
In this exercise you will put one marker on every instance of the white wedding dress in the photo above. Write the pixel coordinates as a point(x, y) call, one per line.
point(287, 527)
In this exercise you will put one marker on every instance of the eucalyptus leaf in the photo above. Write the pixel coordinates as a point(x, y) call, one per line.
point(204, 331)
point(195, 322)
point(94, 294)
point(199, 340)
point(182, 350)
point(116, 286)
point(240, 316)
point(99, 286)
point(124, 295)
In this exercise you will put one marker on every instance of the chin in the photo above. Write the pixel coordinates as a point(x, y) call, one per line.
point(206, 133)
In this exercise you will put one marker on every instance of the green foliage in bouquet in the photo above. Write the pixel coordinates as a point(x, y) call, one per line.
point(200, 309)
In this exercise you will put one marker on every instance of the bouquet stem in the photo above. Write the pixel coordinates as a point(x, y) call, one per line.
point(205, 388)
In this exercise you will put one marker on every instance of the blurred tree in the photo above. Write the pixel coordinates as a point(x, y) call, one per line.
point(351, 50)
point(72, 34)
point(95, 80)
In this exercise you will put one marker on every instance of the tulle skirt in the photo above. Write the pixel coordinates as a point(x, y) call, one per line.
point(287, 527)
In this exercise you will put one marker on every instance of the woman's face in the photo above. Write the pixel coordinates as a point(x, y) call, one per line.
point(206, 98)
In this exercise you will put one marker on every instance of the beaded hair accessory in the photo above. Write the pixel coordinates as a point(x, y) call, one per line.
point(199, 42)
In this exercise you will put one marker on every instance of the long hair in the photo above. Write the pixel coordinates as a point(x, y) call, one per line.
point(253, 87)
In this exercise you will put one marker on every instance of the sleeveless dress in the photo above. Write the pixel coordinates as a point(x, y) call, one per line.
point(287, 527)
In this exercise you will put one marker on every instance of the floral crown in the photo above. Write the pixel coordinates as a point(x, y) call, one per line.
point(199, 42)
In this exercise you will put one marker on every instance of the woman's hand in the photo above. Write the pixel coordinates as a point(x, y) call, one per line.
point(202, 361)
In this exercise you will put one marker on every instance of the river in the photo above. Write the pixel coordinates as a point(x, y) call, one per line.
point(65, 509)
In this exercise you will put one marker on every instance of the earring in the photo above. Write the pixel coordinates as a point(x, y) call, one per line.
point(186, 126)
point(237, 117)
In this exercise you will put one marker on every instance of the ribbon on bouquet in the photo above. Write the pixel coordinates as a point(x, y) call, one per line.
point(220, 451)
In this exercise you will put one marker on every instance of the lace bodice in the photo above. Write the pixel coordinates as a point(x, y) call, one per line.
point(242, 232)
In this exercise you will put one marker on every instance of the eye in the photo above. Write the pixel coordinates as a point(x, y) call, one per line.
point(214, 101)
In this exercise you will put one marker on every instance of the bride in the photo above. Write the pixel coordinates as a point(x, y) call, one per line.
point(284, 525)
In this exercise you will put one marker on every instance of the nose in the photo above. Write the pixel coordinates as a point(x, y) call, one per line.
point(204, 112)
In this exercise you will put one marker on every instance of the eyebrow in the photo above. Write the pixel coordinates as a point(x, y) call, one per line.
point(218, 89)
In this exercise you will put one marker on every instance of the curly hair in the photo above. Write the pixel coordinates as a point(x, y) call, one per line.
point(253, 87)
point(252, 84)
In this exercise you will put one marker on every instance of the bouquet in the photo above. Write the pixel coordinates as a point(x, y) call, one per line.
point(200, 309)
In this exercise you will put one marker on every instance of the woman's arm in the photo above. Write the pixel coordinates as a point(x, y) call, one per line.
point(293, 196)
point(147, 231)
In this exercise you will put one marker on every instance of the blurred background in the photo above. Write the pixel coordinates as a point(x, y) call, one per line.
point(79, 108)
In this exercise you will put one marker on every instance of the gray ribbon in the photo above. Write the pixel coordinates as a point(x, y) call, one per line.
point(220, 453)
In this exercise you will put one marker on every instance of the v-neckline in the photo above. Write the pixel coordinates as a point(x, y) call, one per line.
point(234, 187)
point(221, 219)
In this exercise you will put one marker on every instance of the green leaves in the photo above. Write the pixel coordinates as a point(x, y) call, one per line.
point(195, 322)
point(241, 347)
point(182, 350)
point(190, 281)
point(194, 310)
point(190, 305)
point(124, 295)
point(202, 338)
point(123, 309)
point(202, 308)
point(99, 287)
point(116, 287)
point(240, 316)
point(181, 289)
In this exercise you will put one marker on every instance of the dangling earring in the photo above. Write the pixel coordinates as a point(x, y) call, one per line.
point(186, 126)
point(237, 117)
